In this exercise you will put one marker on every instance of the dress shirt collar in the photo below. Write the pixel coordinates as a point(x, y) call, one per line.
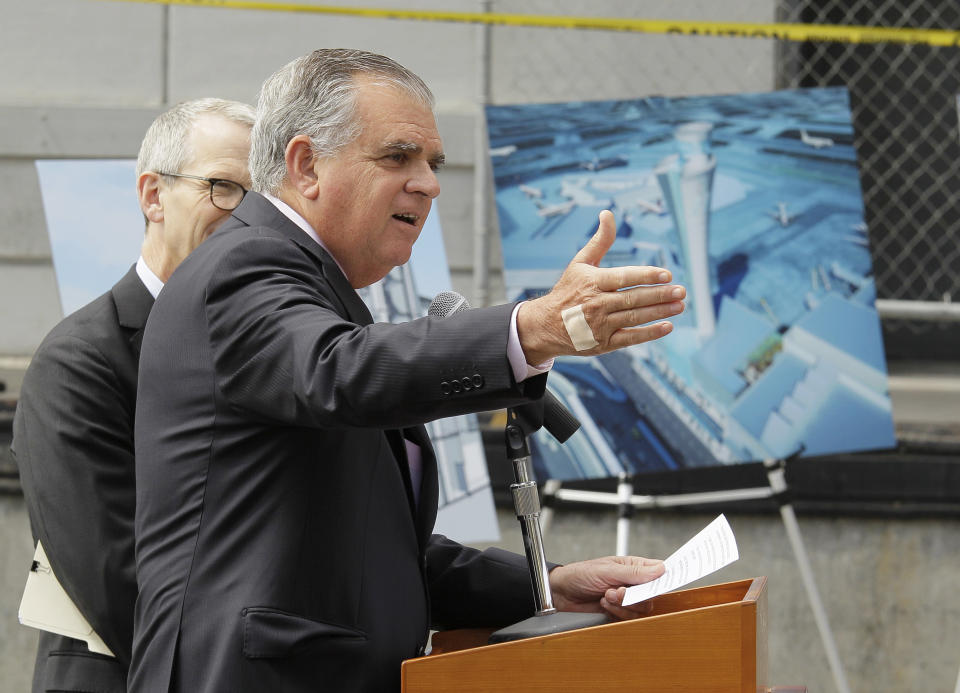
point(295, 217)
point(149, 279)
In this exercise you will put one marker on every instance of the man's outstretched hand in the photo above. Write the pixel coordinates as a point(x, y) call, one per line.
point(616, 302)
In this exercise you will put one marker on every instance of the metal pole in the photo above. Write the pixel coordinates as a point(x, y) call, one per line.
point(778, 483)
point(527, 504)
point(624, 494)
point(165, 57)
point(941, 311)
point(481, 212)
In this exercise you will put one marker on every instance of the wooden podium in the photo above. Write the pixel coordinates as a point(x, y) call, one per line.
point(698, 640)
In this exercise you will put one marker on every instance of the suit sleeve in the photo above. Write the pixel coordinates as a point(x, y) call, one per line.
point(285, 352)
point(497, 582)
point(73, 443)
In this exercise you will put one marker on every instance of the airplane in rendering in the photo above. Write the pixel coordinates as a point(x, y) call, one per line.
point(503, 151)
point(780, 215)
point(531, 192)
point(651, 206)
point(554, 210)
point(815, 142)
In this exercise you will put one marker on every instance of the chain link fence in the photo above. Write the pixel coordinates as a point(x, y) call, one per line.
point(904, 102)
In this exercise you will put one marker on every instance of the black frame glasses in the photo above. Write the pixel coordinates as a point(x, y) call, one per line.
point(227, 187)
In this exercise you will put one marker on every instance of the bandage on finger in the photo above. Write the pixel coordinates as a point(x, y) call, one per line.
point(577, 327)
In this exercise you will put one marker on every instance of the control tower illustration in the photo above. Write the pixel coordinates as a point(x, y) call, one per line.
point(686, 180)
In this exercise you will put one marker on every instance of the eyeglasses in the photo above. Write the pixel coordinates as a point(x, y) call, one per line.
point(224, 194)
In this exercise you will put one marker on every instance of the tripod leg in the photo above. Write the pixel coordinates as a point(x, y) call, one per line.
point(777, 478)
point(550, 488)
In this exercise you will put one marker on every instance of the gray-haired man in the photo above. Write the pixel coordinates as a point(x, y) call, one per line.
point(286, 488)
point(73, 430)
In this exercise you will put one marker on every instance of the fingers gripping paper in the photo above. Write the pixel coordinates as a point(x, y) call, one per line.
point(580, 333)
point(713, 548)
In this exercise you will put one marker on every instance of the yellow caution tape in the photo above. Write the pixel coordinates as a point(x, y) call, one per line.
point(783, 32)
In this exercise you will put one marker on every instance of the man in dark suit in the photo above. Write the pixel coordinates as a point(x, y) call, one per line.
point(73, 429)
point(286, 489)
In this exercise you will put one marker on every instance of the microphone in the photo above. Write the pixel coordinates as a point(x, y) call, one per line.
point(554, 417)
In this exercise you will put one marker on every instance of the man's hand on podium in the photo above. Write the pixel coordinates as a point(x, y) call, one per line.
point(599, 584)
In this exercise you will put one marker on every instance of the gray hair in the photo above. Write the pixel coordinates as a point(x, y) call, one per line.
point(166, 146)
point(315, 95)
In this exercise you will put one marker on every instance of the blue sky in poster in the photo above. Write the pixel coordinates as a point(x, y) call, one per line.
point(94, 222)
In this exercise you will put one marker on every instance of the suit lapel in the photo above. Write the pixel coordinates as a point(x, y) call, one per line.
point(133, 303)
point(256, 210)
point(426, 510)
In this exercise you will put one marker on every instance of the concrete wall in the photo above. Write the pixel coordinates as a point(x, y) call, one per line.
point(18, 644)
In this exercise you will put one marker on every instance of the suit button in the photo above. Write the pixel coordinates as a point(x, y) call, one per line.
point(445, 387)
point(457, 387)
point(467, 383)
point(477, 380)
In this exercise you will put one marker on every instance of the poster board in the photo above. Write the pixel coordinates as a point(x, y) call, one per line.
point(753, 202)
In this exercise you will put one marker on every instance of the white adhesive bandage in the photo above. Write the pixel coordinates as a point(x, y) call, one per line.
point(580, 333)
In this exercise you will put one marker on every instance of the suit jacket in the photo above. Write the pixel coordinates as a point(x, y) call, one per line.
point(279, 547)
point(73, 443)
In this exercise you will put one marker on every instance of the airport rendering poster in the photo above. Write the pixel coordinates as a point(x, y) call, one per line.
point(753, 201)
point(96, 228)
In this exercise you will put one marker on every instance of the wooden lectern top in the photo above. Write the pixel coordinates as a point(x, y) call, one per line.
point(699, 640)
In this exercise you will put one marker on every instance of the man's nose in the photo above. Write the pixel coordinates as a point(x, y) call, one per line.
point(424, 181)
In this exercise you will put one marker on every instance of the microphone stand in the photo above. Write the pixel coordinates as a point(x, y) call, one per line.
point(523, 421)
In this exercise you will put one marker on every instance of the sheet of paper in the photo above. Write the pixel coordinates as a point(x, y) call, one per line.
point(712, 548)
point(47, 606)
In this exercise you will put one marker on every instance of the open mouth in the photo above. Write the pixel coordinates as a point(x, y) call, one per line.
point(407, 218)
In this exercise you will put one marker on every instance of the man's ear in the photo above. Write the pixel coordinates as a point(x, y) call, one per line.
point(300, 171)
point(148, 191)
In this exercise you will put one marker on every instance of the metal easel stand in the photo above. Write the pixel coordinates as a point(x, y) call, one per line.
point(778, 484)
point(627, 502)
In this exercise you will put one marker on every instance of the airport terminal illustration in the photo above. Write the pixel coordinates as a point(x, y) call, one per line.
point(753, 202)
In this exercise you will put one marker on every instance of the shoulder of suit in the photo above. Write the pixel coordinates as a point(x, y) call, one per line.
point(261, 244)
point(92, 322)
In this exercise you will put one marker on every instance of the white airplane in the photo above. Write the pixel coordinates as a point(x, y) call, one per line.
point(861, 227)
point(531, 192)
point(781, 216)
point(555, 210)
point(503, 151)
point(858, 240)
point(651, 206)
point(815, 142)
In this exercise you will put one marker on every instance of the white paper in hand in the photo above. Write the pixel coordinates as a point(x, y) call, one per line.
point(709, 551)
